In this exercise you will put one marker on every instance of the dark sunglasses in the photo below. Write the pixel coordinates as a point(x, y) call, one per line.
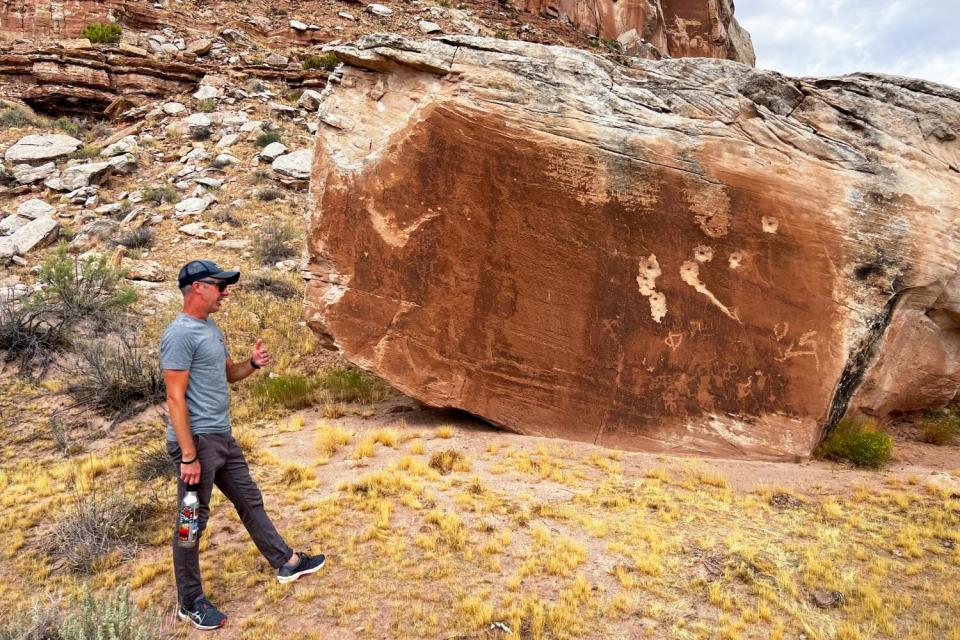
point(219, 285)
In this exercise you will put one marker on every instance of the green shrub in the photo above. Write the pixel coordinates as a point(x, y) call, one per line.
point(858, 440)
point(291, 391)
point(15, 118)
point(68, 125)
point(266, 138)
point(111, 616)
point(501, 34)
point(273, 242)
point(207, 104)
point(85, 153)
point(269, 194)
point(349, 384)
point(102, 33)
point(166, 193)
point(326, 62)
point(78, 289)
point(941, 427)
point(40, 622)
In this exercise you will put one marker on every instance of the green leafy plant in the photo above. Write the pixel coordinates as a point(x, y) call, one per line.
point(166, 193)
point(501, 34)
point(349, 384)
point(85, 153)
point(325, 62)
point(292, 391)
point(207, 104)
point(102, 33)
point(858, 440)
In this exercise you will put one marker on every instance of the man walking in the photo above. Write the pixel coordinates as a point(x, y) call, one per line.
point(196, 368)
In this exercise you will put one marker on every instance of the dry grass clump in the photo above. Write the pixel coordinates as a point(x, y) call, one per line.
point(328, 440)
point(445, 432)
point(274, 242)
point(941, 428)
point(290, 391)
point(449, 460)
point(153, 461)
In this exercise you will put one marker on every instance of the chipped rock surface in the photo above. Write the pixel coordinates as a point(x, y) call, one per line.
point(685, 255)
point(41, 148)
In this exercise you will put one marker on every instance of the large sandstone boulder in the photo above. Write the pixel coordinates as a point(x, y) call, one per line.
point(686, 255)
point(677, 28)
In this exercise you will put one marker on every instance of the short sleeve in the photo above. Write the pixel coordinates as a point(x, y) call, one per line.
point(176, 351)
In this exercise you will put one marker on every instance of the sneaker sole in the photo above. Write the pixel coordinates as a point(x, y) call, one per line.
point(297, 576)
point(197, 625)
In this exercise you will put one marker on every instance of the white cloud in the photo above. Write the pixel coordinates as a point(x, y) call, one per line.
point(832, 37)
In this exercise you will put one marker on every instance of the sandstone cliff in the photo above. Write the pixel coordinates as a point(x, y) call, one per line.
point(686, 255)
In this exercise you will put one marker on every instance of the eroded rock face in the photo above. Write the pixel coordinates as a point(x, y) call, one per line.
point(677, 28)
point(684, 255)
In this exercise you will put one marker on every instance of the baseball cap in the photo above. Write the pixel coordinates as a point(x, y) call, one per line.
point(200, 269)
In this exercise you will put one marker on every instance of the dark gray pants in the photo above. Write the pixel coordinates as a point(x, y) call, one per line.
point(222, 464)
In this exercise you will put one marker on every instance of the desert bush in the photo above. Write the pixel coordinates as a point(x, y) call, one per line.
point(68, 125)
point(14, 117)
point(95, 529)
point(102, 33)
point(153, 462)
point(111, 616)
point(326, 62)
point(40, 622)
point(158, 195)
point(225, 216)
point(63, 430)
point(137, 239)
point(273, 242)
point(500, 34)
point(858, 440)
point(275, 286)
point(116, 379)
point(207, 104)
point(941, 427)
point(449, 460)
point(349, 384)
point(292, 391)
point(31, 335)
point(85, 153)
point(77, 289)
point(265, 138)
point(269, 194)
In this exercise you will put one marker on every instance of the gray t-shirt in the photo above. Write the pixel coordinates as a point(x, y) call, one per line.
point(197, 346)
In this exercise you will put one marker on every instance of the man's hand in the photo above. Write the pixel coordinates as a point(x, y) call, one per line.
point(260, 357)
point(190, 473)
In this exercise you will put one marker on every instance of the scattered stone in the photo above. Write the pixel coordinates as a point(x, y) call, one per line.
point(250, 126)
point(127, 144)
point(199, 47)
point(206, 92)
point(169, 49)
point(199, 125)
point(827, 599)
point(12, 224)
point(27, 174)
point(81, 195)
point(35, 208)
point(277, 60)
point(191, 206)
point(347, 16)
point(225, 160)
point(287, 265)
point(235, 244)
point(310, 100)
point(92, 234)
point(197, 230)
point(82, 175)
point(75, 44)
point(273, 151)
point(282, 110)
point(109, 209)
point(429, 27)
point(298, 26)
point(173, 108)
point(210, 183)
point(33, 235)
point(313, 127)
point(145, 270)
point(124, 164)
point(294, 165)
point(379, 10)
point(227, 141)
point(41, 148)
point(785, 501)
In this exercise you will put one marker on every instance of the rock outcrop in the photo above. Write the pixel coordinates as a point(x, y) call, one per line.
point(687, 255)
point(677, 28)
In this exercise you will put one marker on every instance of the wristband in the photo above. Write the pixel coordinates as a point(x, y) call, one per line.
point(195, 458)
point(254, 364)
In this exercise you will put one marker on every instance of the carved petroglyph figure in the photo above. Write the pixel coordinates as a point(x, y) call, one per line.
point(647, 276)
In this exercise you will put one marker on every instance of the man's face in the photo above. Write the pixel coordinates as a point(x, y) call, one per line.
point(211, 292)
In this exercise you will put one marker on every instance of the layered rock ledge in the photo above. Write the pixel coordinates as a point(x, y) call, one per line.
point(685, 255)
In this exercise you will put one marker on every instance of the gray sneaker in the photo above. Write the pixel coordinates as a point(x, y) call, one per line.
point(202, 615)
point(304, 567)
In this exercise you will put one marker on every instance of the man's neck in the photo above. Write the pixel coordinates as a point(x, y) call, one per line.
point(194, 312)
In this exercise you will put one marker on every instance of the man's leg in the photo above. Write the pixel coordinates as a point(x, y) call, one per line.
point(233, 479)
point(186, 560)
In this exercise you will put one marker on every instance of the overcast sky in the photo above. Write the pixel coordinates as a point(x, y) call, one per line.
point(917, 38)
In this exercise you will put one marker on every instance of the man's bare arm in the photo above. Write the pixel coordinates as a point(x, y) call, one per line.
point(176, 382)
point(240, 370)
